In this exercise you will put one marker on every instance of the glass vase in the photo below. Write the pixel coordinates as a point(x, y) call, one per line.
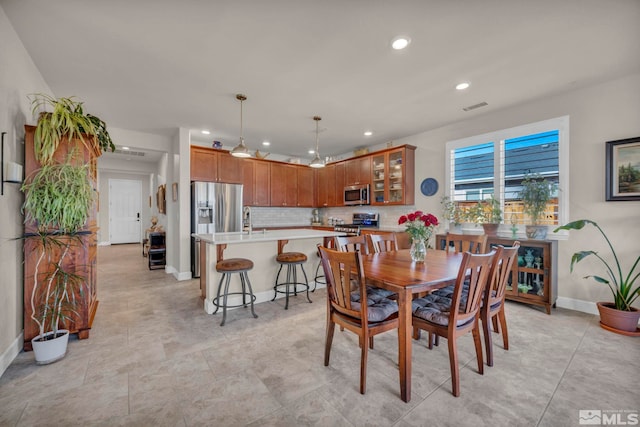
point(418, 250)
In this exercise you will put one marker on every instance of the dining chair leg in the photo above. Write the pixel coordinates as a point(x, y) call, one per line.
point(455, 372)
point(328, 341)
point(488, 340)
point(476, 340)
point(371, 343)
point(363, 368)
point(503, 325)
point(416, 333)
point(496, 328)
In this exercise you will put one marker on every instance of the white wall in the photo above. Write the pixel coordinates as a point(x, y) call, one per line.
point(18, 78)
point(599, 113)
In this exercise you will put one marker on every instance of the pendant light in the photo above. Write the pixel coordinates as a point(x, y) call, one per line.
point(241, 150)
point(317, 161)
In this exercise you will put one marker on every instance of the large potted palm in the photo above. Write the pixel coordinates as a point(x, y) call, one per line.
point(617, 315)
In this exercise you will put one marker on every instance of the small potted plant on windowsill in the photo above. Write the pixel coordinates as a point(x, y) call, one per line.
point(486, 213)
point(451, 213)
point(617, 316)
point(535, 195)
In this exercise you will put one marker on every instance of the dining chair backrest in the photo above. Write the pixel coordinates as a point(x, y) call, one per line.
point(342, 269)
point(474, 243)
point(352, 244)
point(499, 275)
point(403, 240)
point(384, 242)
point(474, 270)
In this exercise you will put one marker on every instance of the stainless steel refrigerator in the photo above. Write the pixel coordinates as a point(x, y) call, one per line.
point(215, 208)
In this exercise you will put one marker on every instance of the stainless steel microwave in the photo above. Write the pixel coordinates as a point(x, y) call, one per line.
point(356, 195)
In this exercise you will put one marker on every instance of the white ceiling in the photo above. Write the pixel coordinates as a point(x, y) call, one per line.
point(154, 66)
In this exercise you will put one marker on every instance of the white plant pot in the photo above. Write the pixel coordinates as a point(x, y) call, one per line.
point(50, 350)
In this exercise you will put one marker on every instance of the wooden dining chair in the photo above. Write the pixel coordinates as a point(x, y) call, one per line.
point(383, 242)
point(352, 243)
point(474, 243)
point(403, 240)
point(439, 316)
point(492, 309)
point(356, 311)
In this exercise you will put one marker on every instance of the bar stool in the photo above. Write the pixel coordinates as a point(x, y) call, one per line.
point(319, 277)
point(292, 260)
point(227, 267)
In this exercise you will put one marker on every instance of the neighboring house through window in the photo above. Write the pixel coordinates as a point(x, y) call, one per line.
point(496, 163)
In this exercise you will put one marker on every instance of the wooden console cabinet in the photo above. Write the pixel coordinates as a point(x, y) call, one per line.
point(534, 278)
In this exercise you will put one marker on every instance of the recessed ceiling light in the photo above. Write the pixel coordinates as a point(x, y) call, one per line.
point(400, 42)
point(125, 148)
point(368, 133)
point(205, 132)
point(266, 143)
point(462, 86)
point(312, 152)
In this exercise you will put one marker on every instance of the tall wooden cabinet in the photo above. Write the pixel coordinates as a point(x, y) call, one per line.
point(81, 261)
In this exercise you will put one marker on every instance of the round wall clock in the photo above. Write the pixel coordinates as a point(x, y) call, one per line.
point(429, 186)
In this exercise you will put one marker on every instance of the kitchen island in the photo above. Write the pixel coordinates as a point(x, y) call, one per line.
point(261, 247)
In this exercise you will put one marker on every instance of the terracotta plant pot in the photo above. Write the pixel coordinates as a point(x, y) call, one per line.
point(491, 229)
point(618, 320)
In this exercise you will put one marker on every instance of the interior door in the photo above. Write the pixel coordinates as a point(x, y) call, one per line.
point(125, 203)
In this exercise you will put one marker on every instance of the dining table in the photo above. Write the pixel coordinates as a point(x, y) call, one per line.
point(397, 272)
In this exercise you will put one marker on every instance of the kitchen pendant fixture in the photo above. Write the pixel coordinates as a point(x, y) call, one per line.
point(241, 150)
point(317, 161)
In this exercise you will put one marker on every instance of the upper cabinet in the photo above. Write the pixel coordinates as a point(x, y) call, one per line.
point(211, 165)
point(325, 185)
point(284, 185)
point(257, 189)
point(393, 176)
point(305, 187)
point(358, 171)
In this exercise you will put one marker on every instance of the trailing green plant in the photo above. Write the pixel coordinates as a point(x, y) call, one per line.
point(59, 196)
point(620, 283)
point(66, 120)
point(535, 195)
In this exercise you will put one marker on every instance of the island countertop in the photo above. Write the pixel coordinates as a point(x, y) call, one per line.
point(265, 236)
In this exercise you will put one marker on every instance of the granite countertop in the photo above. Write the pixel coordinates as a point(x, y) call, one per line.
point(265, 236)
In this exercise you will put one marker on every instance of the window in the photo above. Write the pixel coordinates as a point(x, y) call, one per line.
point(495, 164)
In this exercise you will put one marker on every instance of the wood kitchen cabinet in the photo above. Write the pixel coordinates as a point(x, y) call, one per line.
point(393, 176)
point(284, 185)
point(358, 171)
point(305, 181)
point(212, 165)
point(340, 184)
point(256, 179)
point(326, 187)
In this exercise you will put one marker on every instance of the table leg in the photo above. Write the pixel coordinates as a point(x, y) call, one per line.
point(405, 330)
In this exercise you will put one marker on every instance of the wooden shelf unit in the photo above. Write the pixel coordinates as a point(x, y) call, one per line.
point(535, 273)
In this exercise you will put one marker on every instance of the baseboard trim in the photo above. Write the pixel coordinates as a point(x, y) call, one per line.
point(577, 305)
point(11, 352)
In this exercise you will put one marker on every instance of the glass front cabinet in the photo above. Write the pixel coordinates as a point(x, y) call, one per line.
point(534, 276)
point(392, 182)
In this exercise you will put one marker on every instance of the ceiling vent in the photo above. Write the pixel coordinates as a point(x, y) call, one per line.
point(473, 107)
point(130, 153)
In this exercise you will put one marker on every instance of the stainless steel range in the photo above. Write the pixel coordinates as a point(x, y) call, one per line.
point(359, 221)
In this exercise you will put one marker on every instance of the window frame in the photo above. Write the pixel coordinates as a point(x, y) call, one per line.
point(498, 137)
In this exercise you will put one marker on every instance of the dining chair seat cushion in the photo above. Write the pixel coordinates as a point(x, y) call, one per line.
point(378, 308)
point(435, 309)
point(379, 291)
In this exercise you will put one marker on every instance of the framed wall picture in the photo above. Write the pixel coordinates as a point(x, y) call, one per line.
point(623, 169)
point(174, 191)
point(162, 198)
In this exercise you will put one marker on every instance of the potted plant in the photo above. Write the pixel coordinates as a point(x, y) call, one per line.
point(67, 119)
point(618, 316)
point(58, 199)
point(535, 195)
point(451, 213)
point(487, 213)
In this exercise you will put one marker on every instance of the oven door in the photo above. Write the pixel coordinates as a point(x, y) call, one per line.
point(355, 195)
